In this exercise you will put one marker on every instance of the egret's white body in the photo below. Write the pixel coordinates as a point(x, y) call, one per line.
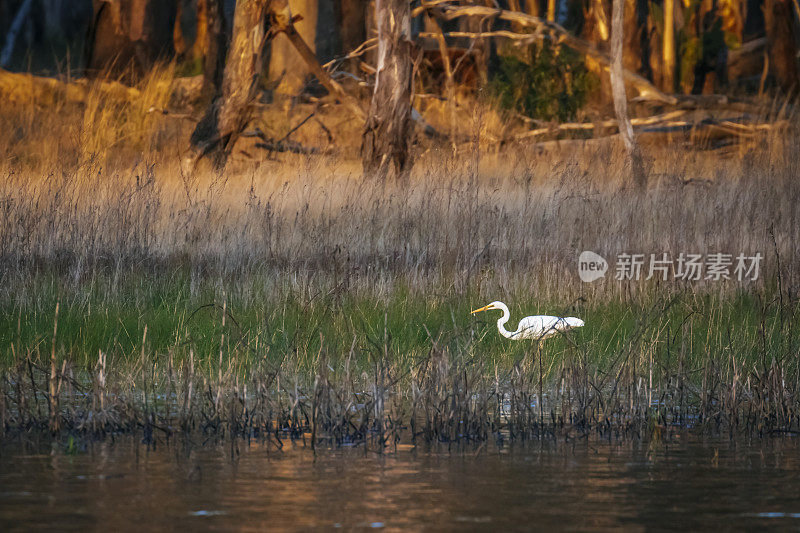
point(531, 327)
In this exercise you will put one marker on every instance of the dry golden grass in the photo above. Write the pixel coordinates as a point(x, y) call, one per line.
point(99, 185)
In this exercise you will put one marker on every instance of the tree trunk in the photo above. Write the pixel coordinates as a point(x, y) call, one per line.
point(201, 40)
point(532, 7)
point(128, 36)
point(52, 20)
point(386, 133)
point(229, 113)
point(178, 39)
point(668, 50)
point(782, 32)
point(11, 37)
point(635, 162)
point(632, 28)
point(352, 23)
point(216, 47)
point(552, 7)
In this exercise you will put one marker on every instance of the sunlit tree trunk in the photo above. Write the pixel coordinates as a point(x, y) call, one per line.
point(386, 133)
point(668, 49)
point(620, 101)
point(552, 7)
point(200, 46)
point(532, 7)
point(600, 19)
point(178, 39)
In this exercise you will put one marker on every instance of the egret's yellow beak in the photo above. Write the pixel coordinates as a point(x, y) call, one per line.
point(484, 308)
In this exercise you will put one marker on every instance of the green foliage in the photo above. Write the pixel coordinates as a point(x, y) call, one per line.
point(545, 82)
point(689, 54)
point(190, 67)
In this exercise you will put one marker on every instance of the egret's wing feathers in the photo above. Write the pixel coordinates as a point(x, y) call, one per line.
point(542, 326)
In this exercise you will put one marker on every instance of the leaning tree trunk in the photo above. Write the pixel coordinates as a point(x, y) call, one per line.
point(386, 132)
point(13, 31)
point(229, 113)
point(635, 162)
point(286, 68)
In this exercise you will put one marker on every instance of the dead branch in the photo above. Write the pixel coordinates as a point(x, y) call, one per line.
point(286, 26)
point(557, 33)
point(281, 145)
point(362, 49)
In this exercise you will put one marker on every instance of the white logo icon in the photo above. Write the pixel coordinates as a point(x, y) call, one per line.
point(591, 266)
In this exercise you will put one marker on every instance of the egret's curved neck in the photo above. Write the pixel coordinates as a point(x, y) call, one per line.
point(501, 322)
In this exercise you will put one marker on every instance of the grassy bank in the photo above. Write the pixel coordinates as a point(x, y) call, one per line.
point(352, 369)
point(291, 295)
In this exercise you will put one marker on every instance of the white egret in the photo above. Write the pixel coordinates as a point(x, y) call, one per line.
point(531, 327)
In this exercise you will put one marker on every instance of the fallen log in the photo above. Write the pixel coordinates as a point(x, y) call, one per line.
point(663, 124)
point(591, 126)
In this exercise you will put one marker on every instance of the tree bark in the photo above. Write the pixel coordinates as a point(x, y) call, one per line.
point(782, 32)
point(229, 113)
point(386, 132)
point(353, 23)
point(634, 162)
point(128, 36)
point(216, 47)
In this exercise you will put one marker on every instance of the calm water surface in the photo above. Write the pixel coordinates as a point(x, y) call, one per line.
point(686, 484)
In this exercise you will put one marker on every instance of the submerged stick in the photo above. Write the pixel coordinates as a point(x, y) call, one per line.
point(52, 383)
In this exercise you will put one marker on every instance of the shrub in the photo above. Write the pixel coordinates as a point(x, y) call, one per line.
point(544, 81)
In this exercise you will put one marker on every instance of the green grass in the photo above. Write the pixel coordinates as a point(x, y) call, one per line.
point(275, 322)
